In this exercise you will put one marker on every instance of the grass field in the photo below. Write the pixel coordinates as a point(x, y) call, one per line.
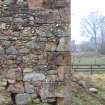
point(80, 97)
point(89, 60)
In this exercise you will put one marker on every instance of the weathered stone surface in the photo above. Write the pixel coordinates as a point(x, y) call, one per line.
point(5, 100)
point(6, 43)
point(18, 20)
point(61, 70)
point(34, 4)
point(52, 77)
point(27, 70)
point(36, 101)
point(34, 95)
point(19, 44)
point(23, 99)
point(11, 62)
point(11, 50)
point(2, 51)
point(56, 4)
point(2, 89)
point(61, 46)
point(11, 81)
point(11, 74)
point(59, 58)
point(34, 76)
point(32, 51)
point(32, 45)
point(51, 46)
point(8, 1)
point(3, 82)
point(19, 74)
point(3, 37)
point(51, 100)
point(19, 60)
point(51, 72)
point(82, 83)
point(24, 51)
point(16, 88)
point(29, 88)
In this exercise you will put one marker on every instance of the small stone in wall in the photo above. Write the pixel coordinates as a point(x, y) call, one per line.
point(19, 75)
point(18, 20)
point(37, 101)
point(34, 76)
point(19, 60)
point(11, 50)
point(2, 89)
point(3, 26)
point(29, 88)
point(32, 44)
point(34, 4)
point(51, 46)
point(3, 82)
point(6, 43)
point(11, 81)
point(5, 100)
point(52, 77)
point(51, 72)
point(24, 51)
point(50, 100)
point(11, 74)
point(23, 99)
point(27, 70)
point(16, 88)
point(2, 51)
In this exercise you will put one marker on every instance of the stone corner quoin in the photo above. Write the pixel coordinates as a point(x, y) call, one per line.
point(34, 51)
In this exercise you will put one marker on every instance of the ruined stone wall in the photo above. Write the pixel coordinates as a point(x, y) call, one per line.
point(34, 51)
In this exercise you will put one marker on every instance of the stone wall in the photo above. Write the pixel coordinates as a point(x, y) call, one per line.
point(34, 51)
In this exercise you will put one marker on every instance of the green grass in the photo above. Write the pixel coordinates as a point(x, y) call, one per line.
point(80, 97)
point(89, 60)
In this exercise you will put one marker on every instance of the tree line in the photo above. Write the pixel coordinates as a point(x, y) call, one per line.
point(93, 28)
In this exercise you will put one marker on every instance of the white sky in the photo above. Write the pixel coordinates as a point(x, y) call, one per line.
point(79, 9)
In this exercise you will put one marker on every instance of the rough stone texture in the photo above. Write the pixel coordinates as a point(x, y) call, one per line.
point(34, 4)
point(5, 99)
point(34, 51)
point(29, 88)
point(22, 99)
point(11, 50)
point(34, 77)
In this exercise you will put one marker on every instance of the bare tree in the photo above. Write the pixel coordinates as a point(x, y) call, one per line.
point(93, 26)
point(90, 27)
point(102, 30)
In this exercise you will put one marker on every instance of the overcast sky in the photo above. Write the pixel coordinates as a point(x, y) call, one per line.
point(81, 8)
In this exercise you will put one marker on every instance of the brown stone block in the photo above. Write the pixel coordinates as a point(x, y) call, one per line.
point(52, 78)
point(58, 58)
point(16, 88)
point(61, 72)
point(11, 74)
point(51, 46)
point(56, 3)
point(34, 4)
point(19, 75)
point(60, 101)
point(11, 81)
